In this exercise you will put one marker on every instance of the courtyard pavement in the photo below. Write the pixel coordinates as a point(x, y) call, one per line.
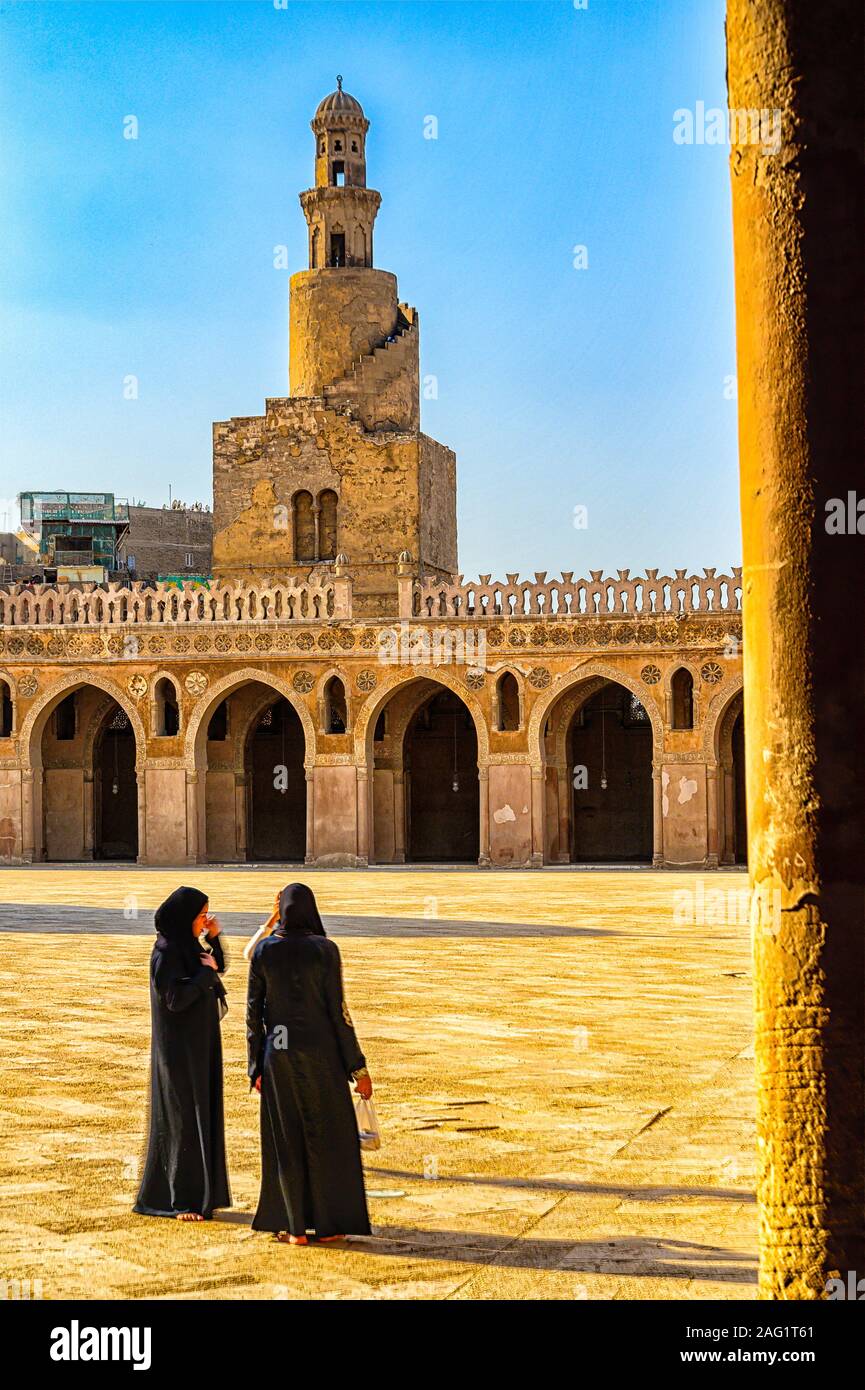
point(562, 1064)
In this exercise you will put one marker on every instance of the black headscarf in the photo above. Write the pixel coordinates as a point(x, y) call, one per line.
point(173, 921)
point(298, 911)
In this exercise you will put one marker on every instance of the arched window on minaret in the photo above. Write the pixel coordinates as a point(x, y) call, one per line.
point(327, 501)
point(304, 526)
point(315, 252)
point(337, 249)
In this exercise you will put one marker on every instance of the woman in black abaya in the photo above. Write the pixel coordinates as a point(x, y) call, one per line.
point(302, 1051)
point(185, 1173)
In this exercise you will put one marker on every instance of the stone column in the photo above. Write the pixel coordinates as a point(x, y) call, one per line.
point(309, 857)
point(195, 852)
point(712, 832)
point(398, 816)
point(729, 815)
point(564, 798)
point(797, 227)
point(240, 815)
point(141, 779)
point(539, 791)
point(484, 860)
point(316, 516)
point(657, 819)
point(28, 817)
point(362, 816)
point(89, 813)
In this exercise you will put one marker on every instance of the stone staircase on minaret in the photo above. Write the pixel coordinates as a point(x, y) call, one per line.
point(381, 387)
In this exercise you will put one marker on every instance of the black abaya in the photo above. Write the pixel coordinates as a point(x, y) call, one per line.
point(302, 1044)
point(185, 1168)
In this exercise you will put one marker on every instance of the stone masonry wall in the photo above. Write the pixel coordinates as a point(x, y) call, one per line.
point(160, 539)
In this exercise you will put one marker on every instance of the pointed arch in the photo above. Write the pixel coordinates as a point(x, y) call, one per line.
point(37, 716)
point(543, 707)
point(30, 744)
point(369, 711)
point(391, 808)
point(199, 718)
point(553, 822)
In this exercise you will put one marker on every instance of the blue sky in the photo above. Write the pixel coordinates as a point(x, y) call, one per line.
point(605, 387)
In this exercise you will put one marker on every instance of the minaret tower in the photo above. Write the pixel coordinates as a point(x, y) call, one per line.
point(340, 466)
point(341, 308)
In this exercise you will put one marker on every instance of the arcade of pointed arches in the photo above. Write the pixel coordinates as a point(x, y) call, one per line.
point(417, 747)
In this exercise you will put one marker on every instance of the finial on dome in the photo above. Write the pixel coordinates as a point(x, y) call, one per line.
point(339, 81)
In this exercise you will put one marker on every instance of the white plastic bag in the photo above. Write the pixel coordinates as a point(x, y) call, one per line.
point(368, 1129)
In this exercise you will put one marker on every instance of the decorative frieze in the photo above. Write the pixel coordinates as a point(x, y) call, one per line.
point(516, 639)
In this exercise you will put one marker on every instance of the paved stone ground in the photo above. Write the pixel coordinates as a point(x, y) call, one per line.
point(563, 1070)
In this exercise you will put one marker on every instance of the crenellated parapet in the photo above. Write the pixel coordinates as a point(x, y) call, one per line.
point(329, 597)
point(141, 604)
point(599, 596)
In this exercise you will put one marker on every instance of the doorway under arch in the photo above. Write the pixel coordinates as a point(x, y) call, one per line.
point(89, 785)
point(422, 747)
point(609, 761)
point(275, 785)
point(115, 789)
point(440, 761)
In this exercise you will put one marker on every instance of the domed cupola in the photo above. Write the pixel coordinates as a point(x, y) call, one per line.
point(338, 102)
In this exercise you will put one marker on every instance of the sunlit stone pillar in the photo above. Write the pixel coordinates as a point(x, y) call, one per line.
point(194, 849)
point(564, 787)
point(241, 792)
point(657, 819)
point(712, 834)
point(484, 860)
point(309, 857)
point(362, 816)
point(539, 791)
point(28, 817)
point(141, 779)
point(797, 224)
point(88, 813)
point(729, 815)
point(398, 816)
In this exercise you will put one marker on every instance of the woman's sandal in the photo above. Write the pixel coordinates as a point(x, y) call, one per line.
point(189, 1216)
point(286, 1238)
